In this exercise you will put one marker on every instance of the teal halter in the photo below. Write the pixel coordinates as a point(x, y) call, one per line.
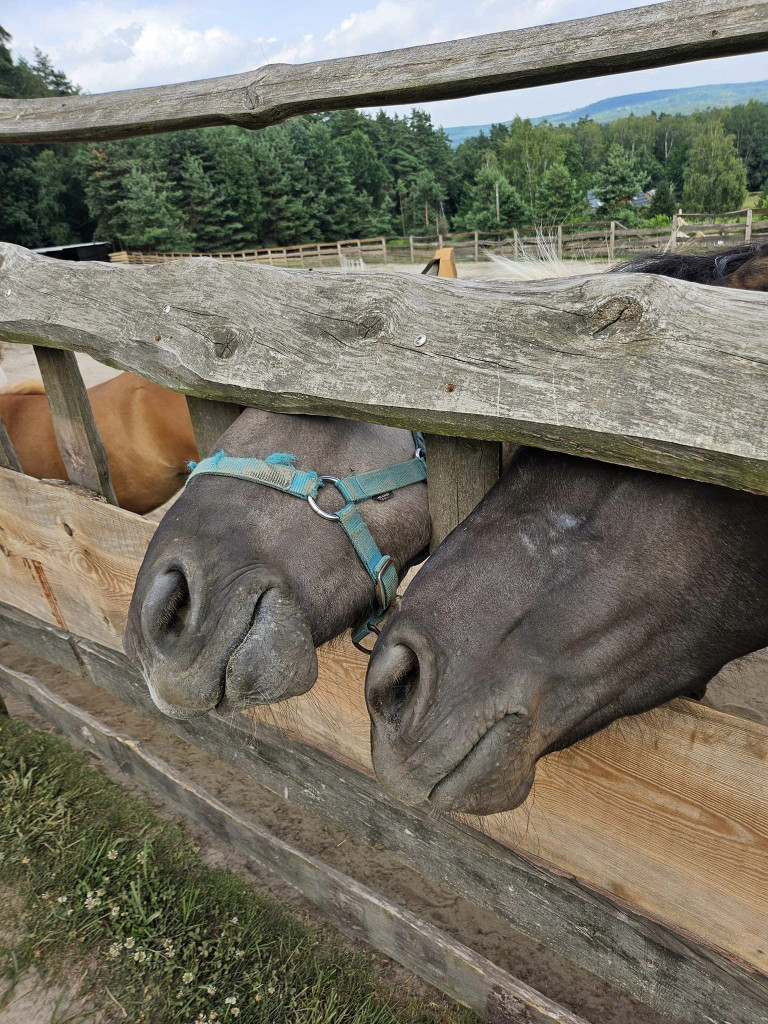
point(277, 471)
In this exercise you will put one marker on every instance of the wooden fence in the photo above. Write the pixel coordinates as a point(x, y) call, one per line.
point(592, 240)
point(643, 858)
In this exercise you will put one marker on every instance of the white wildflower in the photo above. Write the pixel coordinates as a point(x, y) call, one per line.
point(211, 990)
point(25, 860)
point(235, 919)
point(62, 899)
point(234, 1011)
point(115, 911)
point(114, 949)
point(187, 976)
point(112, 855)
point(140, 956)
point(130, 942)
point(239, 953)
point(230, 1000)
point(141, 857)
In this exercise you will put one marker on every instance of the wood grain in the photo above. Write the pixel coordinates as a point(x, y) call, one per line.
point(356, 909)
point(209, 421)
point(646, 37)
point(682, 979)
point(632, 368)
point(80, 445)
point(68, 559)
point(666, 813)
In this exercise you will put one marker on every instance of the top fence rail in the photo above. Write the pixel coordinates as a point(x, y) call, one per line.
point(647, 37)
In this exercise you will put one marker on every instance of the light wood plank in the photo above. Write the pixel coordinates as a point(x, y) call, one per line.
point(666, 813)
point(68, 559)
point(631, 368)
point(645, 37)
point(356, 909)
point(80, 445)
point(677, 976)
point(209, 421)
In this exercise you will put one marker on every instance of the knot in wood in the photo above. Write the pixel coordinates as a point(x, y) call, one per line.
point(371, 324)
point(225, 342)
point(619, 309)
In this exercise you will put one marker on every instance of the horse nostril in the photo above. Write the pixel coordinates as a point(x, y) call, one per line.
point(167, 607)
point(393, 682)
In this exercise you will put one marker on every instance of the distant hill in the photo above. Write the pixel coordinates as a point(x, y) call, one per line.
point(666, 101)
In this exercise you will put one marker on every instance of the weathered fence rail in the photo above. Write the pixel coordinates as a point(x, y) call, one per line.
point(646, 37)
point(630, 368)
point(643, 857)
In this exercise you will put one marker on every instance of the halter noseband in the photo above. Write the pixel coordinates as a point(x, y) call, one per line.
point(277, 471)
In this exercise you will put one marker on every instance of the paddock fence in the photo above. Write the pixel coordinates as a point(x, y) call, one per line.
point(643, 857)
point(592, 240)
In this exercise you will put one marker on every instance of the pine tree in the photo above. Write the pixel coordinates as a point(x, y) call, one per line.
point(619, 179)
point(481, 213)
point(663, 202)
point(715, 178)
point(559, 197)
point(151, 214)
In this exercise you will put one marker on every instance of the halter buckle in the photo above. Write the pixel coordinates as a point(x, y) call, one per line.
point(381, 596)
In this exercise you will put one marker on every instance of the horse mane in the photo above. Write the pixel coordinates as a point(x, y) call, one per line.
point(24, 387)
point(702, 268)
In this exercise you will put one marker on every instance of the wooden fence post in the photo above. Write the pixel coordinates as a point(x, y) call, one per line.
point(8, 457)
point(80, 445)
point(748, 227)
point(319, 256)
point(209, 421)
point(477, 246)
point(560, 241)
point(384, 249)
point(359, 250)
point(461, 472)
point(612, 242)
point(411, 241)
point(338, 250)
point(516, 240)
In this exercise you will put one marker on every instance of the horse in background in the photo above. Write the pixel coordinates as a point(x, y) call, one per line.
point(146, 431)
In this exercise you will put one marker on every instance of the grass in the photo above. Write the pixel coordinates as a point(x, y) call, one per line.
point(104, 884)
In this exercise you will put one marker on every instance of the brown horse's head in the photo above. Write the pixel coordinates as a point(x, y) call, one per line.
point(575, 593)
point(241, 582)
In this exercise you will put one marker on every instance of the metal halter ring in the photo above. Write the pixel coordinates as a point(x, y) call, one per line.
point(381, 597)
point(316, 508)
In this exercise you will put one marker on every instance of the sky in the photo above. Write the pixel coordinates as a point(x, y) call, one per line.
point(119, 44)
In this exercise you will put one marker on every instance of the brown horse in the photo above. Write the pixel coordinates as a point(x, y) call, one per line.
point(146, 430)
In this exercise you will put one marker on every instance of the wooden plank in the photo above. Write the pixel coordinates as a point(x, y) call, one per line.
point(670, 972)
point(608, 44)
point(359, 911)
point(80, 445)
point(68, 559)
point(461, 472)
point(209, 421)
point(667, 813)
point(8, 457)
point(632, 368)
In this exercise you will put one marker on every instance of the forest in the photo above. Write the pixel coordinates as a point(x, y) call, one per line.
point(349, 174)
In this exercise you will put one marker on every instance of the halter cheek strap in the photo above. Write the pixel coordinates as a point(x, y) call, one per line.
point(277, 471)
